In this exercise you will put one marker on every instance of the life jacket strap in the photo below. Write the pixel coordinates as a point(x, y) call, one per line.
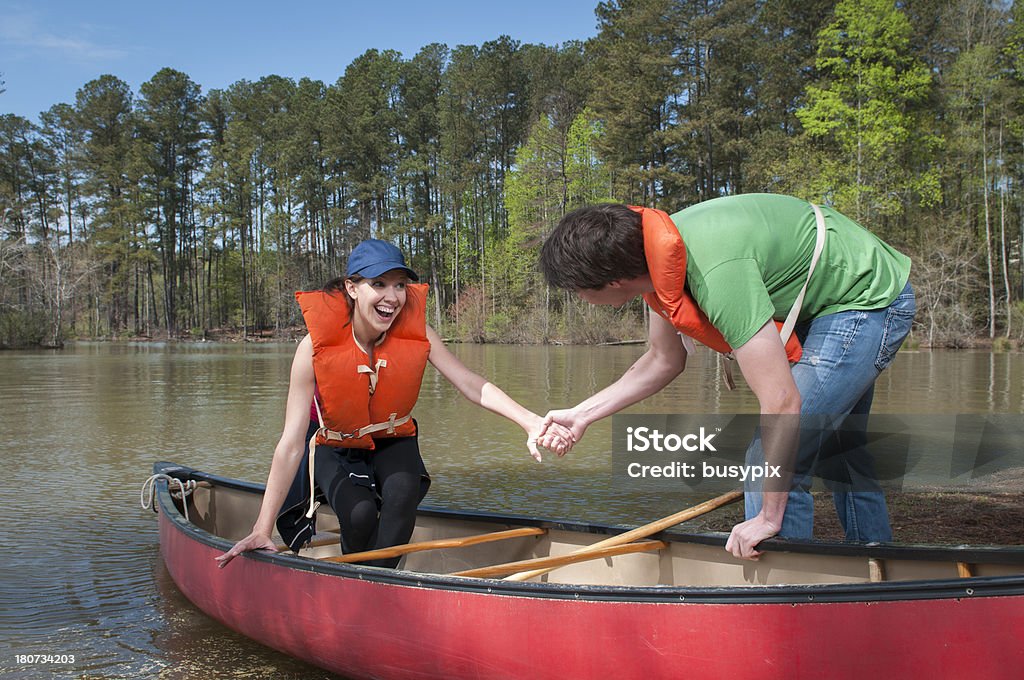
point(819, 246)
point(381, 363)
point(388, 426)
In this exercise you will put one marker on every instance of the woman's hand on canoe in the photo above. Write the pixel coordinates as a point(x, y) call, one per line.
point(253, 541)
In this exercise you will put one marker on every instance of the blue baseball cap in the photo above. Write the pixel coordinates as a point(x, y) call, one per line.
point(373, 257)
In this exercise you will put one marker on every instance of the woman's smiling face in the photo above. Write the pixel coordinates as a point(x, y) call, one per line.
point(378, 301)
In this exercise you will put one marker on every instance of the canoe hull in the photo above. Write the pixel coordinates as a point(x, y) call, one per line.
point(364, 627)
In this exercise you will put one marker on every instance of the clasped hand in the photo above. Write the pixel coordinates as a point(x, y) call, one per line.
point(558, 431)
point(551, 436)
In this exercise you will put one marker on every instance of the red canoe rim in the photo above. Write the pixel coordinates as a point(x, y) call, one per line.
point(972, 587)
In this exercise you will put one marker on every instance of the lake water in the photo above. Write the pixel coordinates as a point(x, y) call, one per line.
point(81, 573)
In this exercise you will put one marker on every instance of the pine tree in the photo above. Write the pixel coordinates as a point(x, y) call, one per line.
point(104, 108)
point(169, 118)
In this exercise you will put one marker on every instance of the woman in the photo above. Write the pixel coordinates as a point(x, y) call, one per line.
point(361, 366)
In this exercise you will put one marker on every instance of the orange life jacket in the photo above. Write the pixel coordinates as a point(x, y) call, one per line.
point(665, 253)
point(363, 402)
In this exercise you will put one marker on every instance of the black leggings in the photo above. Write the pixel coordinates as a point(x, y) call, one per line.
point(374, 493)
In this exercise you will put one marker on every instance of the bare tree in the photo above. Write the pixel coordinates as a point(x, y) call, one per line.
point(54, 278)
point(941, 282)
point(10, 251)
point(1004, 246)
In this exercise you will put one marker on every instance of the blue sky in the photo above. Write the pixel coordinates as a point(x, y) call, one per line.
point(49, 49)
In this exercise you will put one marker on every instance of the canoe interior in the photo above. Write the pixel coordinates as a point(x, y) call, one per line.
point(229, 512)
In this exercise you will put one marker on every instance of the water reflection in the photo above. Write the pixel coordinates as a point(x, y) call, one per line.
point(81, 428)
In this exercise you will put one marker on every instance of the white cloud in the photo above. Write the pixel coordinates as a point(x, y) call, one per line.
point(24, 31)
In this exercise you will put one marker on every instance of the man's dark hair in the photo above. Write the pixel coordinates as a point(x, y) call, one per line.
point(593, 246)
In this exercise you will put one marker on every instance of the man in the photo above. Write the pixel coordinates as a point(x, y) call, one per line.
point(726, 272)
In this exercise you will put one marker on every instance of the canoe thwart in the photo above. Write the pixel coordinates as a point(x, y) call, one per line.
point(876, 570)
point(318, 543)
point(965, 569)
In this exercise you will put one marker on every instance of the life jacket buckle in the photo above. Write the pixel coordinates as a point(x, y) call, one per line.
point(334, 435)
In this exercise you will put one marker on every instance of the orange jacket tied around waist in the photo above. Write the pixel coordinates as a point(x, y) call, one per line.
point(362, 402)
point(665, 253)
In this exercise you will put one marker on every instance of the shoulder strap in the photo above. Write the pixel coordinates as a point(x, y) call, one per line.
point(787, 327)
point(819, 245)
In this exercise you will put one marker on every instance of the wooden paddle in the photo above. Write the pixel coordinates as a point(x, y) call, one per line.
point(642, 532)
point(399, 550)
point(546, 564)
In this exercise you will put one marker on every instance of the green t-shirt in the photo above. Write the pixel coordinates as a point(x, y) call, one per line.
point(748, 256)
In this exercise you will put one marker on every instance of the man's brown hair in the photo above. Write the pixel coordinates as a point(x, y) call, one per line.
point(593, 246)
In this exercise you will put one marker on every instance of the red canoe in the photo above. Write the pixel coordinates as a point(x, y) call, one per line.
point(679, 607)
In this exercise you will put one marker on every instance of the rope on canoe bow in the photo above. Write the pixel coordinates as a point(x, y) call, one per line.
point(149, 486)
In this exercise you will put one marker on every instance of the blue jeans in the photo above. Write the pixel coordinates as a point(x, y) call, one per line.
point(844, 354)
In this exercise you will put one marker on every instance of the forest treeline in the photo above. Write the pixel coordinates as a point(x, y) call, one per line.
point(174, 212)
